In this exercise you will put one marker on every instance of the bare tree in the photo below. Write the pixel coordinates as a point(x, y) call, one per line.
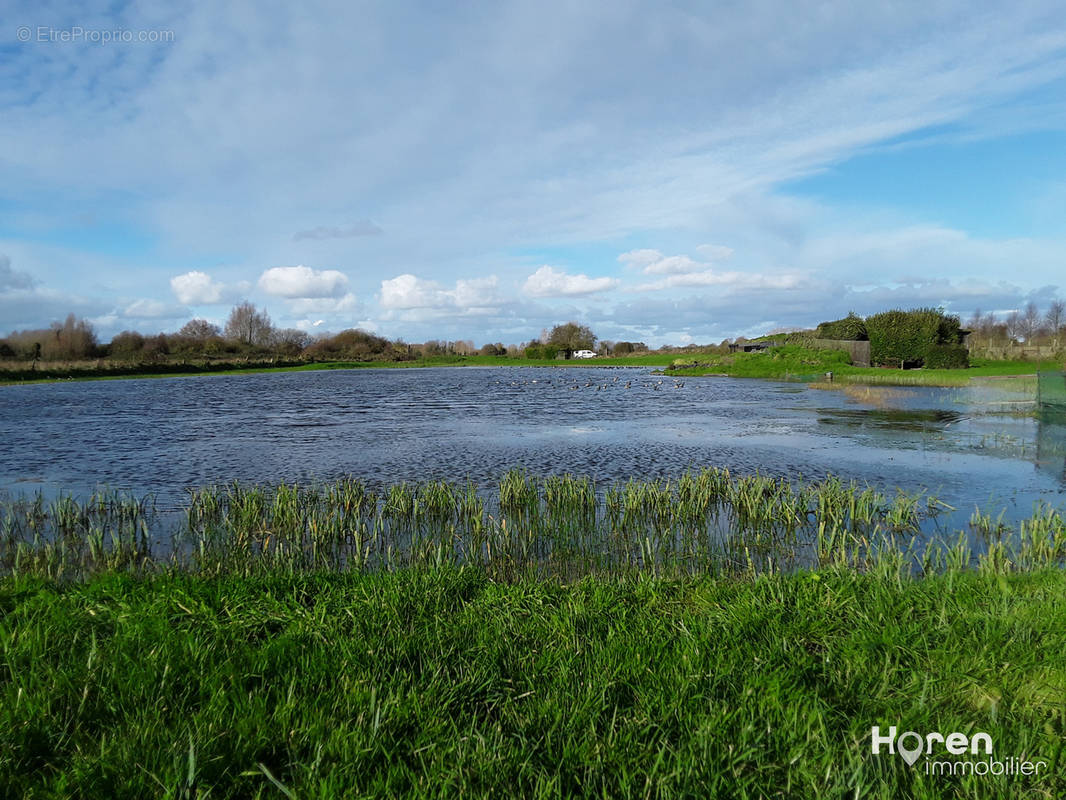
point(249, 326)
point(433, 348)
point(291, 341)
point(989, 323)
point(72, 338)
point(199, 329)
point(1030, 322)
point(1013, 323)
point(1054, 318)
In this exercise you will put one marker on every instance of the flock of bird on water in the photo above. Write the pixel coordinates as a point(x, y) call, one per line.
point(575, 384)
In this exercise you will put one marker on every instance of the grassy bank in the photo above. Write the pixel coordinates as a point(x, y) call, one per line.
point(443, 683)
point(93, 370)
point(799, 363)
point(784, 363)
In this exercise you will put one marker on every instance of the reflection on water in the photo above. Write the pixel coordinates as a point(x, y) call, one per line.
point(892, 418)
point(1051, 445)
point(971, 447)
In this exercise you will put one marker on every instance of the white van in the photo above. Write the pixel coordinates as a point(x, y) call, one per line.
point(584, 354)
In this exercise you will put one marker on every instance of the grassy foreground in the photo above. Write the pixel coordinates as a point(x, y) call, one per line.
point(551, 639)
point(443, 683)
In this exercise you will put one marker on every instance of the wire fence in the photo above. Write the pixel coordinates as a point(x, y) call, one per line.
point(1051, 391)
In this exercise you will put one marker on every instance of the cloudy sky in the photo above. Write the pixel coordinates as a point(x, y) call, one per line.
point(663, 171)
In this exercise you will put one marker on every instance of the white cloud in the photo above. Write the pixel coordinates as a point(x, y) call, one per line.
point(729, 280)
point(476, 293)
point(653, 262)
point(680, 118)
point(639, 259)
point(715, 252)
point(153, 309)
point(673, 265)
point(682, 271)
point(409, 291)
point(304, 282)
point(197, 288)
point(550, 282)
point(324, 305)
point(472, 296)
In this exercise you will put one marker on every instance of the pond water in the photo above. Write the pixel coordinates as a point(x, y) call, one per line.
point(970, 447)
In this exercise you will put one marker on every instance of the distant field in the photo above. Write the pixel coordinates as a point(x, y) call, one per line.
point(785, 363)
point(798, 363)
point(19, 372)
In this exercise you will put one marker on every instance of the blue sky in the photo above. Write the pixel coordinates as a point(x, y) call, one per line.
point(665, 172)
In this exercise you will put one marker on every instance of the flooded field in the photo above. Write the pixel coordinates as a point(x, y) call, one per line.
point(977, 447)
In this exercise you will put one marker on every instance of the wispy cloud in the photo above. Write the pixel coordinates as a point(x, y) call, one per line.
point(476, 141)
point(324, 305)
point(683, 271)
point(148, 309)
point(362, 227)
point(728, 280)
point(13, 279)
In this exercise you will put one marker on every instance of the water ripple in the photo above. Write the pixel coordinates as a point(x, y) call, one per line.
point(164, 435)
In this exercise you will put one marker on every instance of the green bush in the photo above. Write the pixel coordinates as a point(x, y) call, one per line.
point(851, 328)
point(947, 356)
point(906, 336)
point(542, 351)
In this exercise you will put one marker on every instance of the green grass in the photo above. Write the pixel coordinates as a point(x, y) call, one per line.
point(561, 526)
point(792, 362)
point(548, 639)
point(87, 372)
point(444, 683)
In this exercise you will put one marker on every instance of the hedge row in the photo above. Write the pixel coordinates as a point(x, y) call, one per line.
point(947, 356)
point(542, 351)
point(852, 328)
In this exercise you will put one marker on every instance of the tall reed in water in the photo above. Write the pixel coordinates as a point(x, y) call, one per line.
point(561, 525)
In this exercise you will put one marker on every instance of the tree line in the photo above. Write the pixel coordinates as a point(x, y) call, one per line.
point(1029, 325)
point(931, 337)
point(250, 333)
point(919, 336)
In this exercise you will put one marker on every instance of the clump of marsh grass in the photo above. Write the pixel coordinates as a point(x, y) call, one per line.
point(65, 538)
point(700, 522)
